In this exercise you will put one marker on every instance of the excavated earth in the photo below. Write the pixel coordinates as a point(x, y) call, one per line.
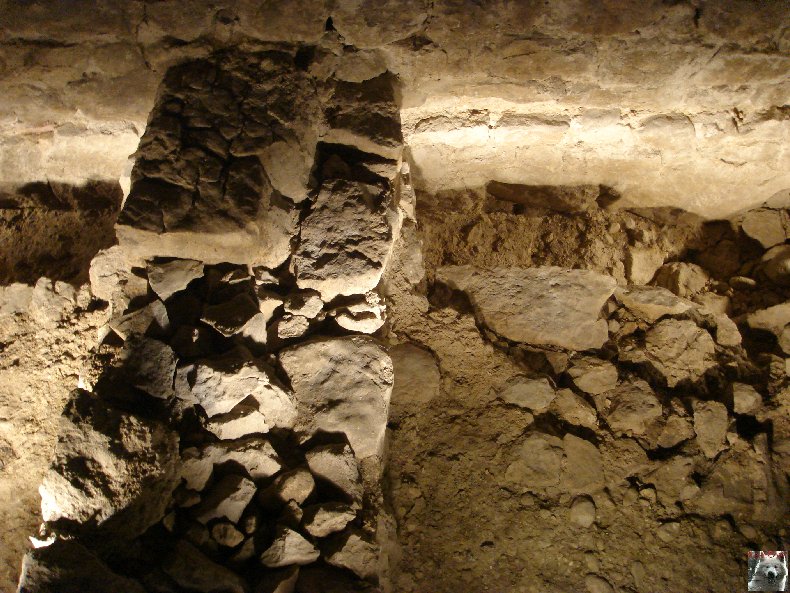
point(409, 297)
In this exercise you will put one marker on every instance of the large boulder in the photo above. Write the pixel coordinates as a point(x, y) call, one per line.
point(346, 241)
point(67, 567)
point(677, 350)
point(112, 469)
point(223, 382)
point(342, 385)
point(631, 408)
point(194, 571)
point(541, 306)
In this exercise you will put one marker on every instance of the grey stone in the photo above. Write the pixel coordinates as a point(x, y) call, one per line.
point(231, 317)
point(150, 366)
point(255, 455)
point(682, 278)
point(582, 467)
point(226, 499)
point(226, 534)
point(679, 350)
point(710, 424)
point(582, 512)
point(342, 385)
point(746, 399)
point(168, 278)
point(596, 584)
point(765, 225)
point(574, 410)
point(539, 306)
point(327, 518)
point(223, 382)
point(242, 421)
point(538, 464)
point(346, 241)
point(337, 464)
point(67, 567)
point(294, 485)
point(292, 326)
point(352, 550)
point(675, 431)
point(112, 470)
point(593, 375)
point(289, 548)
point(652, 302)
point(194, 571)
point(306, 303)
point(533, 394)
point(633, 407)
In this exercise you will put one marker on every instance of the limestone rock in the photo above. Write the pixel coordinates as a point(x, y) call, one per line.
point(150, 366)
point(582, 466)
point(342, 385)
point(112, 469)
point(776, 265)
point(278, 581)
point(365, 316)
point(533, 394)
point(679, 350)
point(417, 377)
point(346, 241)
point(652, 302)
point(294, 485)
point(593, 375)
point(289, 548)
point(746, 399)
point(226, 499)
point(194, 571)
point(681, 278)
point(675, 431)
point(575, 410)
point(226, 534)
point(765, 225)
point(292, 326)
point(633, 407)
point(221, 383)
point(582, 511)
point(596, 584)
point(353, 551)
point(727, 333)
point(565, 198)
point(243, 420)
point(540, 306)
point(337, 464)
point(710, 424)
point(230, 317)
point(255, 455)
point(67, 567)
point(139, 321)
point(773, 319)
point(306, 303)
point(538, 464)
point(327, 518)
point(168, 278)
point(642, 263)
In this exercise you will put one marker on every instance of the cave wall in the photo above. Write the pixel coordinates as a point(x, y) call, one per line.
point(520, 272)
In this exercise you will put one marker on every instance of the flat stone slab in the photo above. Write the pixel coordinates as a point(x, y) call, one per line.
point(548, 306)
point(342, 385)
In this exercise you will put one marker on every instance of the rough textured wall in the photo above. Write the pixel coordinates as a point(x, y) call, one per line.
point(672, 103)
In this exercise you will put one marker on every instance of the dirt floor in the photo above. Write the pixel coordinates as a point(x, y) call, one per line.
point(464, 525)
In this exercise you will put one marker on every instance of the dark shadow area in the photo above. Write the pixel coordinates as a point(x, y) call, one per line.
point(55, 229)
